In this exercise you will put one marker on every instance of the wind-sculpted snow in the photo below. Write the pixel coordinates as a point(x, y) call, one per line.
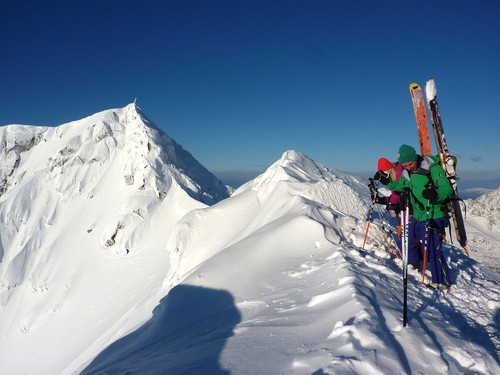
point(293, 186)
point(311, 302)
point(302, 176)
point(15, 140)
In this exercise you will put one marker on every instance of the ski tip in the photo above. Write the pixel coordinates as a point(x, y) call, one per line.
point(430, 89)
point(413, 86)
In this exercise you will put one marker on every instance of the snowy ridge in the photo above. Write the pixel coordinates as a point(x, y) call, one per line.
point(284, 289)
point(293, 187)
point(311, 180)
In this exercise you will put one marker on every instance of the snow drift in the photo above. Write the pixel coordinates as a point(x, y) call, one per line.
point(112, 262)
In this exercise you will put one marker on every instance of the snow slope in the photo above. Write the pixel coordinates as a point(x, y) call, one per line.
point(296, 296)
point(86, 212)
point(104, 276)
point(483, 228)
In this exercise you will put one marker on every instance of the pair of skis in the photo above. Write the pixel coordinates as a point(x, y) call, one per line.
point(446, 160)
point(448, 164)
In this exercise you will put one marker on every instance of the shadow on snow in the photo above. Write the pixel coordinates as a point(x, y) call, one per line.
point(186, 335)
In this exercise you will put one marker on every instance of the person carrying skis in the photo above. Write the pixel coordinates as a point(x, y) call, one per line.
point(429, 189)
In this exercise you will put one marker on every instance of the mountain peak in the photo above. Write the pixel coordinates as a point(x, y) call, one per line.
point(132, 106)
point(134, 111)
point(75, 156)
point(292, 155)
point(325, 185)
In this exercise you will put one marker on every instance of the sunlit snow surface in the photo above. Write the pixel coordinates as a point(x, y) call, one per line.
point(116, 258)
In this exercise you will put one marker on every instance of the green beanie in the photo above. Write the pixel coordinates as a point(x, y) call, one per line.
point(407, 153)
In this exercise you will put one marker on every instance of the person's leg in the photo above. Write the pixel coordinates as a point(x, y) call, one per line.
point(437, 262)
point(414, 254)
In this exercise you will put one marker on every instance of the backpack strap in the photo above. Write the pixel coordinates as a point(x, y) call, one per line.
point(425, 166)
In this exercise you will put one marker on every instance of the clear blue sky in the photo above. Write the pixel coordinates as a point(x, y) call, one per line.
point(237, 83)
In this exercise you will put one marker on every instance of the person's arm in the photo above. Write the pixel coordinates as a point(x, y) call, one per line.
point(400, 185)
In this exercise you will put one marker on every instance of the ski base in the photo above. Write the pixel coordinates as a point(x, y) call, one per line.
point(447, 162)
point(417, 98)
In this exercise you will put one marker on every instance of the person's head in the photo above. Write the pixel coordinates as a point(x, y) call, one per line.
point(384, 165)
point(407, 157)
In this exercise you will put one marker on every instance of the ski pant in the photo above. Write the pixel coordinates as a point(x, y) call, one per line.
point(436, 261)
point(414, 248)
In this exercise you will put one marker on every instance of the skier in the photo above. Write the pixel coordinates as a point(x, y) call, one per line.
point(429, 190)
point(393, 201)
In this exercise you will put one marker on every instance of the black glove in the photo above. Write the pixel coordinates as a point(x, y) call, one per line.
point(383, 177)
point(430, 193)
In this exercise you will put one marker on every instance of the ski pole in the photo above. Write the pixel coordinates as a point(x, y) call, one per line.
point(368, 227)
point(405, 217)
point(387, 229)
point(371, 185)
point(426, 238)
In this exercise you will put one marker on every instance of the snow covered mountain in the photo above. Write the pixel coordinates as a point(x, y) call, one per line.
point(86, 211)
point(112, 262)
point(75, 157)
point(483, 228)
